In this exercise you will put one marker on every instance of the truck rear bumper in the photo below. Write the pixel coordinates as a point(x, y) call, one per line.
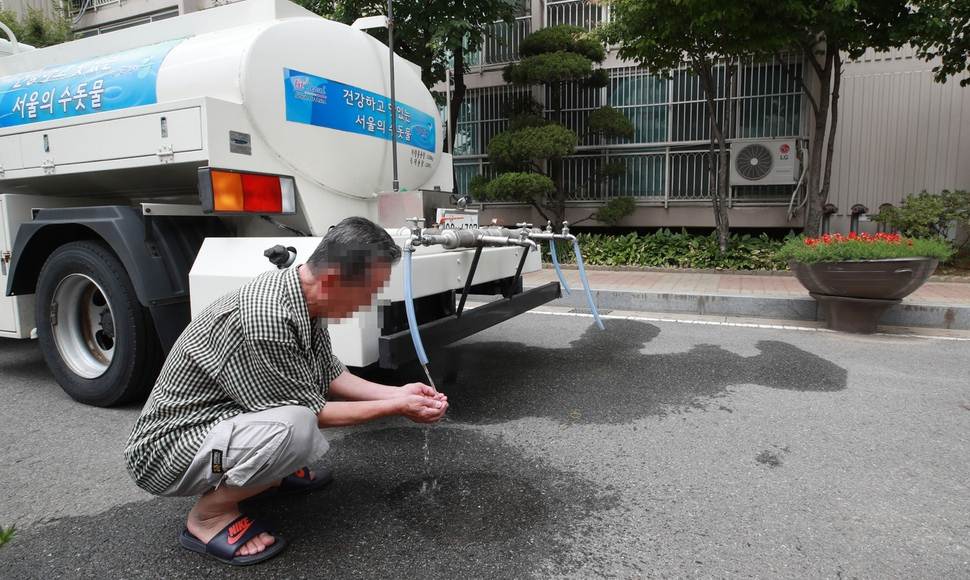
point(396, 349)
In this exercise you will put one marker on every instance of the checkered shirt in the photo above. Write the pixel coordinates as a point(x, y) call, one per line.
point(254, 349)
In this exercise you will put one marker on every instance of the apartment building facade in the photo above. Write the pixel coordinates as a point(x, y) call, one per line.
point(899, 132)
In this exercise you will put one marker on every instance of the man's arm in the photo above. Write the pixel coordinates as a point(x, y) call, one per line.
point(415, 407)
point(350, 387)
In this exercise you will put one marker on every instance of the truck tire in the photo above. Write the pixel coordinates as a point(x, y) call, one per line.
point(97, 339)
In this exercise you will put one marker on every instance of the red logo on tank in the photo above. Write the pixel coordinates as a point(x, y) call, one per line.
point(784, 149)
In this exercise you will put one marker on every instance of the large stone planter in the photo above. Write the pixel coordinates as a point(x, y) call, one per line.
point(854, 295)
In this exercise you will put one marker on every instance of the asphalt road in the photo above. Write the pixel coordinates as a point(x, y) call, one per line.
point(650, 450)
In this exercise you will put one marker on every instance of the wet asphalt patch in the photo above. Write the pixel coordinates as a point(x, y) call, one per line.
point(604, 378)
point(479, 508)
point(769, 458)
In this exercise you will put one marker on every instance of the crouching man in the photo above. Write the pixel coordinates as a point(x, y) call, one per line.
point(238, 407)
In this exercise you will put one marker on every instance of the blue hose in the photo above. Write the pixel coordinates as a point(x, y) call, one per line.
point(409, 308)
point(589, 294)
point(555, 262)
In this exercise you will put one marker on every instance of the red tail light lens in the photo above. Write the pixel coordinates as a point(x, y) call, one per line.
point(237, 192)
point(262, 193)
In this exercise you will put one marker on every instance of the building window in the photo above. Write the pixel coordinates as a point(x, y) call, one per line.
point(669, 157)
point(483, 115)
point(574, 103)
point(770, 99)
point(643, 98)
point(129, 22)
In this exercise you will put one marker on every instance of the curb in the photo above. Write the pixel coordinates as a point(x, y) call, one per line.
point(926, 315)
point(785, 273)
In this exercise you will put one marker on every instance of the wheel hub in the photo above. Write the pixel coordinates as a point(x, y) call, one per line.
point(83, 326)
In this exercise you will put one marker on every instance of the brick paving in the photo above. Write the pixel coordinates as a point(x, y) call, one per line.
point(951, 293)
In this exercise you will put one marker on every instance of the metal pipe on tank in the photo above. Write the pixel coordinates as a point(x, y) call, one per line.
point(395, 183)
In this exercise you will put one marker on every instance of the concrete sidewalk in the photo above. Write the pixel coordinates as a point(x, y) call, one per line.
point(781, 297)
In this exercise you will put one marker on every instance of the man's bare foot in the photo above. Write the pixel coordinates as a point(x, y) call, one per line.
point(206, 526)
point(216, 509)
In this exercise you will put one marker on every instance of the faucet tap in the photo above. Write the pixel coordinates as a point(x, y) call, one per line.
point(417, 225)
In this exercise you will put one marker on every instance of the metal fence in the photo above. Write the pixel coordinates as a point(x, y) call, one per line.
point(483, 115)
point(649, 176)
point(668, 158)
point(579, 13)
point(501, 44)
point(75, 6)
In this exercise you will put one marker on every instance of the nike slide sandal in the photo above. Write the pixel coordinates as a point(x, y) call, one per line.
point(298, 483)
point(225, 544)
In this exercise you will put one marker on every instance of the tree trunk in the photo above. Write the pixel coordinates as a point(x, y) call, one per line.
point(558, 205)
point(457, 95)
point(833, 125)
point(724, 233)
point(815, 203)
point(705, 73)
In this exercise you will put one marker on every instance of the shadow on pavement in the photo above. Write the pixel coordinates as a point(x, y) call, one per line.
point(486, 512)
point(22, 359)
point(604, 378)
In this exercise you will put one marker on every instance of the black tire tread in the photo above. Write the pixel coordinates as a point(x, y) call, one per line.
point(147, 362)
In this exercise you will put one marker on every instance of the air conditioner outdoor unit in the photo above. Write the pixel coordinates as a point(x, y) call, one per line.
point(767, 162)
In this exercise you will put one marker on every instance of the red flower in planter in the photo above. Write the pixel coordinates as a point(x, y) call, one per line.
point(831, 239)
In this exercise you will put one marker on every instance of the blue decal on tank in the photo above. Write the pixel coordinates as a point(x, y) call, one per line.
point(107, 83)
point(327, 103)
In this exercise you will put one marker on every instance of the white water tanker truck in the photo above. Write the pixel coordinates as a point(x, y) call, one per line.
point(146, 172)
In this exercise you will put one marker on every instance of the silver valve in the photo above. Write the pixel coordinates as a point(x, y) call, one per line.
point(565, 228)
point(548, 226)
point(417, 225)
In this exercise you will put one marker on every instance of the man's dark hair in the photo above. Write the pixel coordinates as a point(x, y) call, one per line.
point(353, 246)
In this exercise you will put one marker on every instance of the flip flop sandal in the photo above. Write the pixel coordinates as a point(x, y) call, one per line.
point(225, 544)
point(298, 483)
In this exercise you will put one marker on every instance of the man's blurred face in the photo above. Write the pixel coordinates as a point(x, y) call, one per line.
point(344, 297)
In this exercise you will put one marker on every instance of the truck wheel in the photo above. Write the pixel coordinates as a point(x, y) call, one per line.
point(98, 341)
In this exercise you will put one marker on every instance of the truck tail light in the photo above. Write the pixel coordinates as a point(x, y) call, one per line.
point(227, 191)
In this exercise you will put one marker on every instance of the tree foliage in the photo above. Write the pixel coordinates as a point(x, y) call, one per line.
point(522, 186)
point(613, 211)
point(532, 147)
point(943, 32)
point(437, 35)
point(426, 31)
point(556, 55)
point(824, 30)
point(563, 38)
point(518, 149)
point(37, 29)
point(928, 214)
point(607, 121)
point(663, 36)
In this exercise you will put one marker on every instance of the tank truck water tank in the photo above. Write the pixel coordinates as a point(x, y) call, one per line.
point(314, 92)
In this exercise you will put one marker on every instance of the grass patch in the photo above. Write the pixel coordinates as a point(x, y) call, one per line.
point(6, 534)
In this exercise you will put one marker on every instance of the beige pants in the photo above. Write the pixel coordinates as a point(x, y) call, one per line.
point(253, 449)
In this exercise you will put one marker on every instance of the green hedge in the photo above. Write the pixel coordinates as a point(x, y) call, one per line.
point(666, 249)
